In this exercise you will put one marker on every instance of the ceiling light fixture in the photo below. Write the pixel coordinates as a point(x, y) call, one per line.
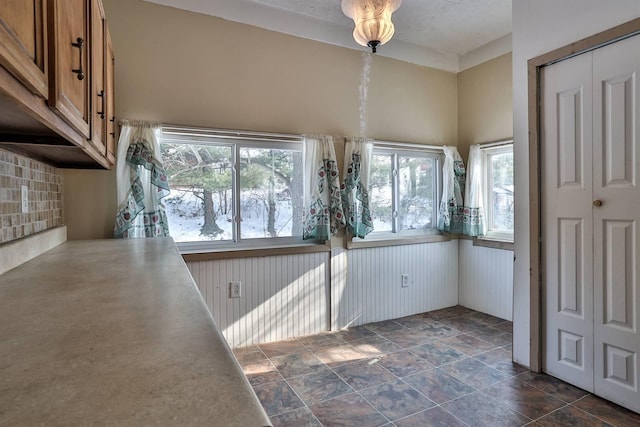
point(372, 19)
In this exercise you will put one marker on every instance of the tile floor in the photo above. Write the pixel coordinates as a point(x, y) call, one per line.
point(449, 367)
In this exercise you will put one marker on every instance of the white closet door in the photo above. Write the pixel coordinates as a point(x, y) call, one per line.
point(616, 236)
point(567, 220)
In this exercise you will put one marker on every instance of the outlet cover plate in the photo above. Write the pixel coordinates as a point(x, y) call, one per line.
point(24, 198)
point(235, 289)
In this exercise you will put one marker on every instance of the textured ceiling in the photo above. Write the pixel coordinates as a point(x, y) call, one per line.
point(434, 33)
point(451, 26)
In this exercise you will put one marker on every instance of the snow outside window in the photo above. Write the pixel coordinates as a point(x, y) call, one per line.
point(232, 192)
point(498, 192)
point(403, 191)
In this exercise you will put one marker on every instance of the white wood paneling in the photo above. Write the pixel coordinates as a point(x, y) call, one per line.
point(486, 279)
point(372, 290)
point(282, 296)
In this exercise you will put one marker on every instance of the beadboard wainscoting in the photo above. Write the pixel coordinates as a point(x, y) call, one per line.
point(281, 296)
point(296, 295)
point(486, 279)
point(371, 286)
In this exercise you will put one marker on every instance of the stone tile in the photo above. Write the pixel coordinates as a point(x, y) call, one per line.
point(261, 372)
point(250, 354)
point(487, 319)
point(438, 385)
point(384, 326)
point(349, 410)
point(338, 355)
point(446, 313)
point(608, 411)
point(277, 398)
point(301, 417)
point(357, 333)
point(505, 326)
point(363, 374)
point(463, 324)
point(474, 373)
point(438, 354)
point(404, 363)
point(501, 360)
point(434, 417)
point(323, 385)
point(407, 337)
point(374, 346)
point(523, 398)
point(321, 340)
point(571, 416)
point(396, 400)
point(492, 335)
point(282, 348)
point(481, 410)
point(436, 331)
point(553, 386)
point(467, 344)
point(298, 364)
point(417, 321)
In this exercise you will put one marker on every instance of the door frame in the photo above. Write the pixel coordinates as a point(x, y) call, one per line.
point(534, 71)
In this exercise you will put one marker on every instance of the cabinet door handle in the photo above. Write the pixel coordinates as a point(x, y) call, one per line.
point(80, 45)
point(101, 113)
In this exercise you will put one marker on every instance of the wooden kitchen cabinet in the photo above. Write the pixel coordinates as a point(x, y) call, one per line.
point(56, 82)
point(69, 59)
point(23, 43)
point(110, 101)
point(98, 78)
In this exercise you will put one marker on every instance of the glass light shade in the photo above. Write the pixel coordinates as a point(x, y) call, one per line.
point(372, 19)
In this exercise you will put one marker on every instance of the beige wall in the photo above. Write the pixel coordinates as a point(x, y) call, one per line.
point(90, 203)
point(485, 103)
point(184, 68)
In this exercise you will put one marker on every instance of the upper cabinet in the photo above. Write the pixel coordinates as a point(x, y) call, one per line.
point(69, 48)
point(111, 102)
point(56, 82)
point(23, 43)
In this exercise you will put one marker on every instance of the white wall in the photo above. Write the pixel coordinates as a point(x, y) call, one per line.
point(486, 279)
point(372, 288)
point(540, 26)
point(282, 296)
point(288, 296)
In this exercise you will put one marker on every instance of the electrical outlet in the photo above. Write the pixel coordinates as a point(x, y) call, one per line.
point(24, 197)
point(235, 289)
point(405, 280)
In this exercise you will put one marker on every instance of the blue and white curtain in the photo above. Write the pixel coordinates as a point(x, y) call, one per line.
point(323, 215)
point(473, 221)
point(141, 182)
point(451, 210)
point(355, 187)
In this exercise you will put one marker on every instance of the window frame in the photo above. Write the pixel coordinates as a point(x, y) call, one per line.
point(236, 140)
point(487, 151)
point(397, 236)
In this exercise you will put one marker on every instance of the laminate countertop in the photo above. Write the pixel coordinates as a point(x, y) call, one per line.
point(115, 332)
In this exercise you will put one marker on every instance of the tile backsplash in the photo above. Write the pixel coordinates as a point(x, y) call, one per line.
point(45, 207)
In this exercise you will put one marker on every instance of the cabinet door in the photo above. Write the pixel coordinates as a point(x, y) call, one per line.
point(98, 87)
point(69, 62)
point(111, 102)
point(22, 42)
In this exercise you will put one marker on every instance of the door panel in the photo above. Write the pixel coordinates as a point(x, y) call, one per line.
point(566, 159)
point(616, 232)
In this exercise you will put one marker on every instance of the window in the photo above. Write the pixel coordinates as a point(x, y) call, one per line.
point(403, 191)
point(232, 189)
point(498, 191)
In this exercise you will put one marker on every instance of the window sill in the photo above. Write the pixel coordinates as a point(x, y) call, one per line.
point(493, 243)
point(227, 253)
point(396, 241)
